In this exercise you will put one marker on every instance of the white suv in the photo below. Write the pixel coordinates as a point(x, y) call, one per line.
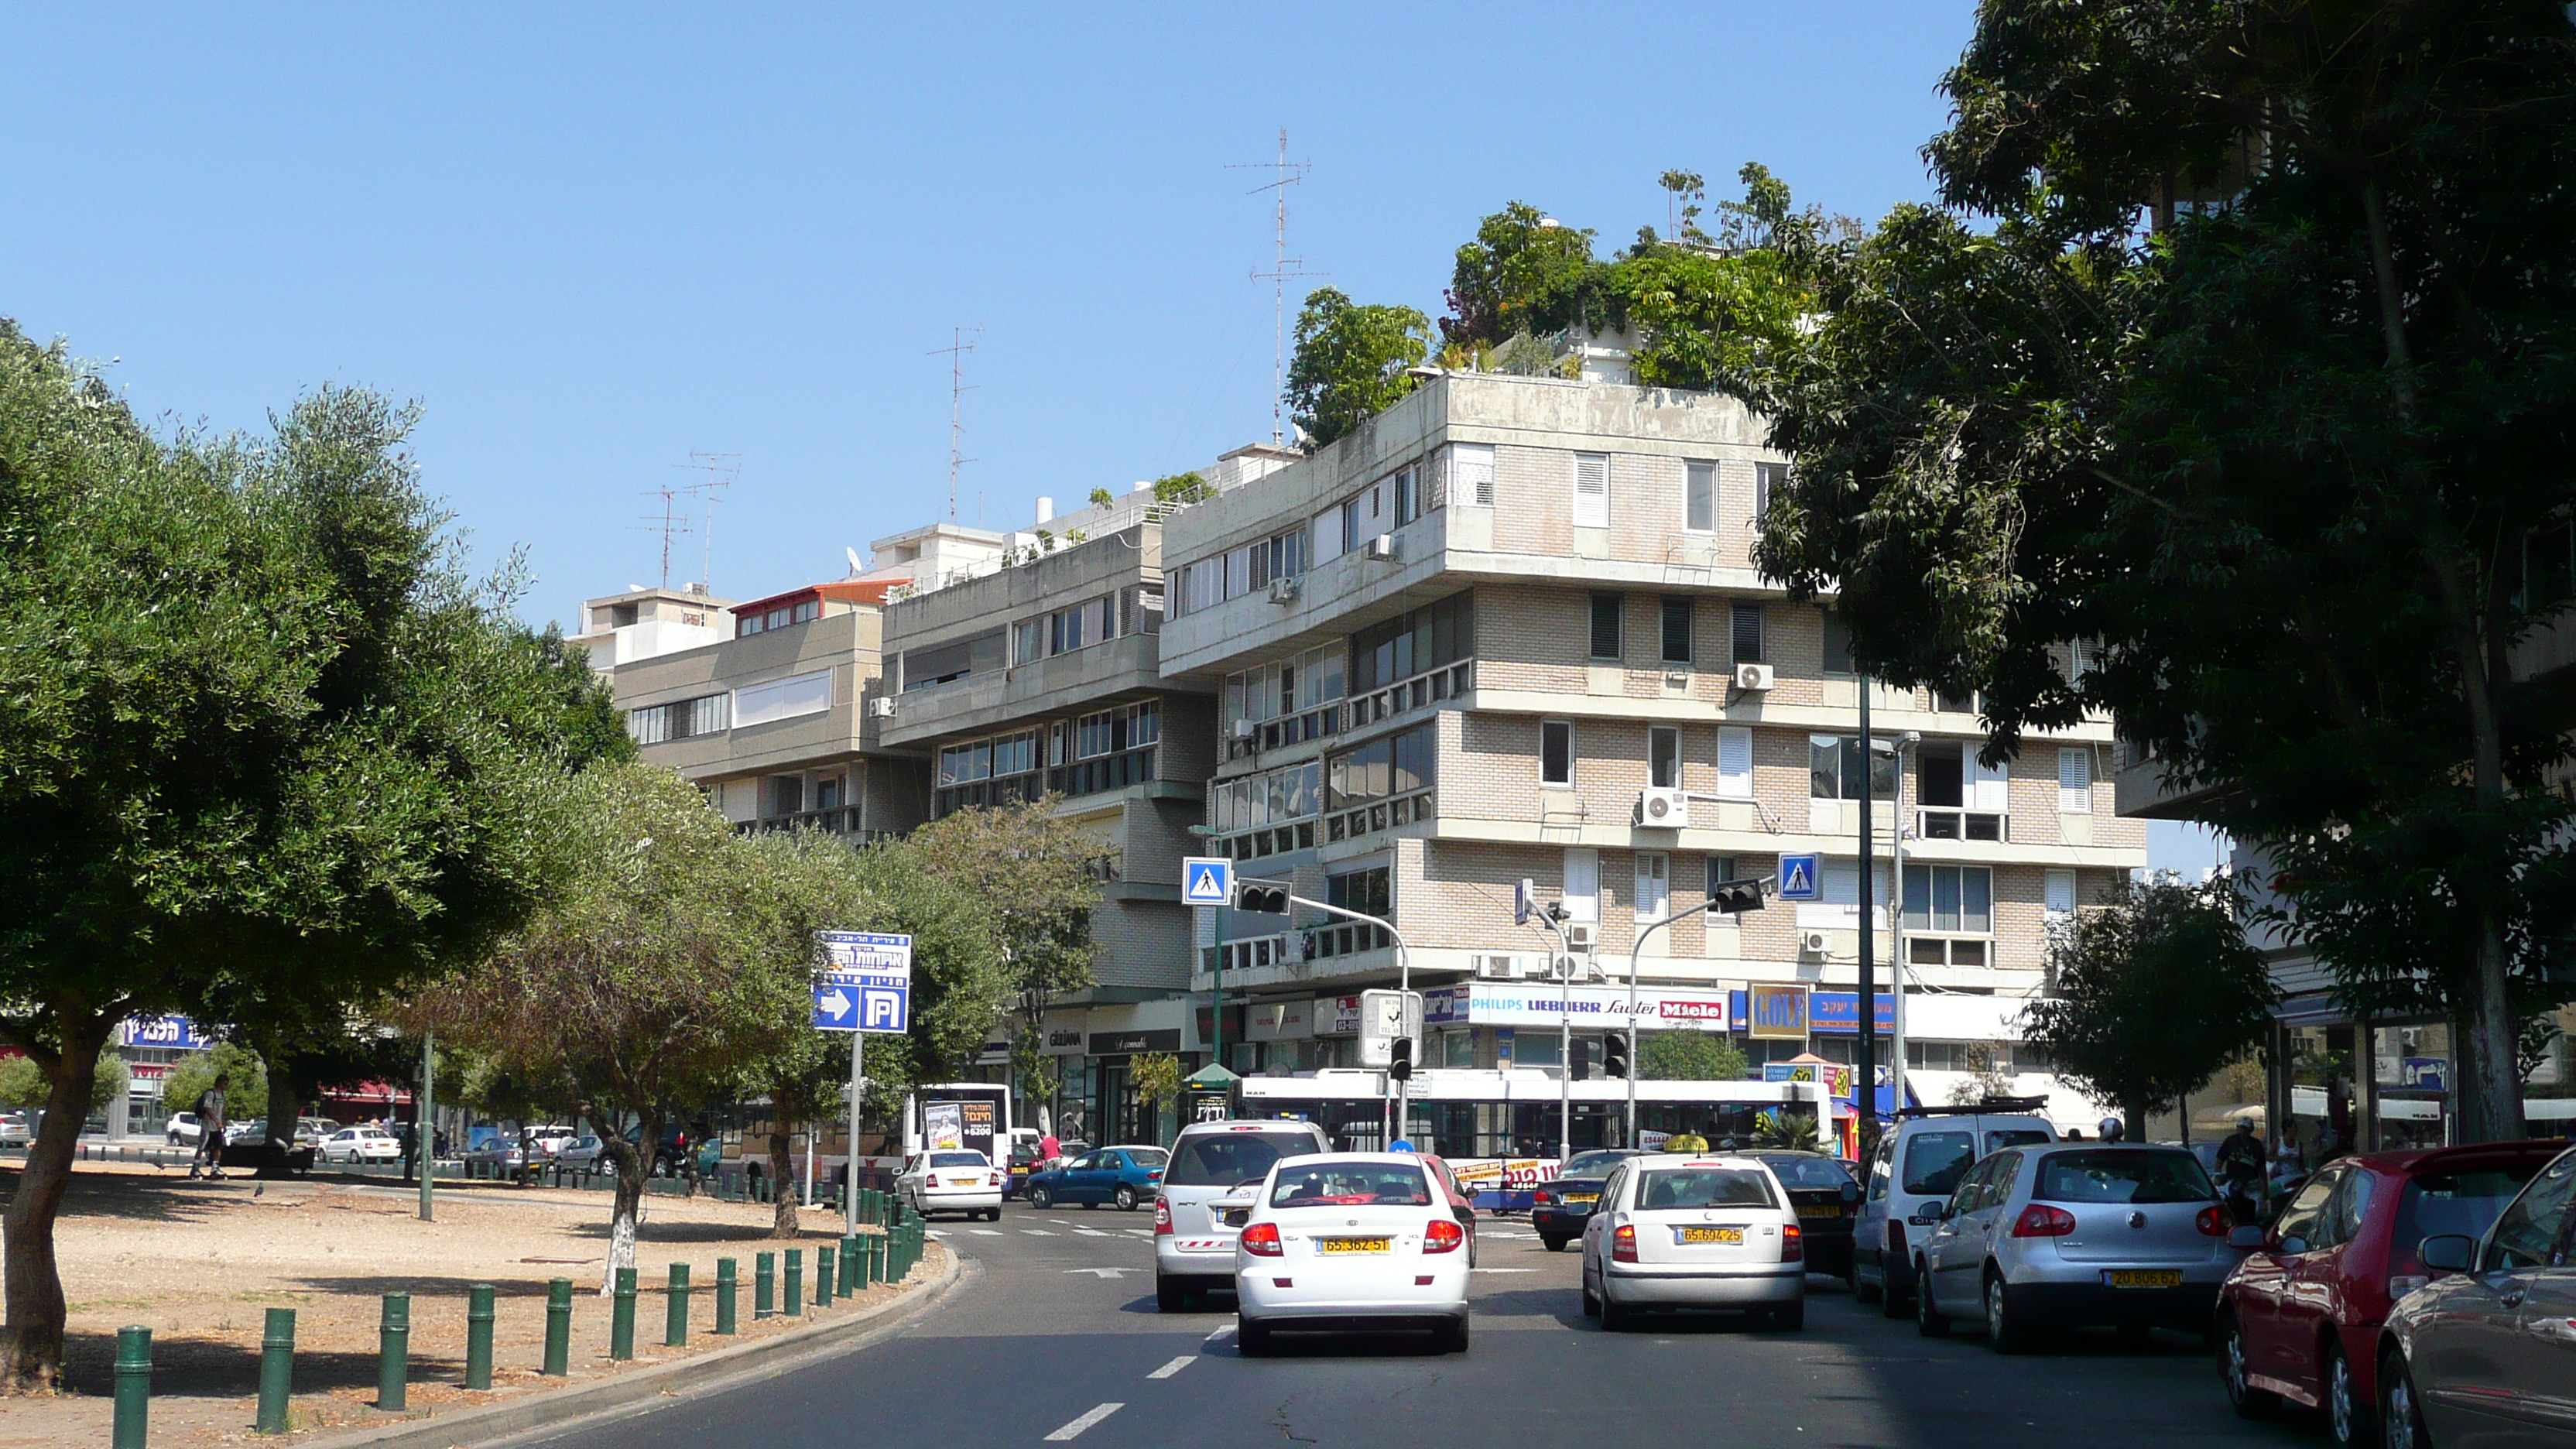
point(1193, 1241)
point(1919, 1163)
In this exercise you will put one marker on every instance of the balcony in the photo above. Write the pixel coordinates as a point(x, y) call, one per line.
point(841, 820)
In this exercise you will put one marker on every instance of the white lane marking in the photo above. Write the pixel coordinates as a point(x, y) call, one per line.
point(933, 1233)
point(986, 1232)
point(1102, 1272)
point(1092, 1233)
point(1219, 1333)
point(1074, 1429)
point(1060, 1222)
point(1142, 1232)
point(1502, 1270)
point(1037, 1232)
point(1175, 1366)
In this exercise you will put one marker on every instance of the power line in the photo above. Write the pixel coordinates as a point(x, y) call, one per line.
point(1282, 268)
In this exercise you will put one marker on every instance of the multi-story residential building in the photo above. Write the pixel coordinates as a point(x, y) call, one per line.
point(1510, 629)
point(642, 623)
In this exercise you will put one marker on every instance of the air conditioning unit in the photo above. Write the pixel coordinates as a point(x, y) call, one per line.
point(1579, 935)
point(1566, 968)
point(1284, 591)
point(1663, 809)
point(1811, 943)
point(1501, 968)
point(1245, 729)
point(881, 708)
point(1383, 548)
point(1753, 678)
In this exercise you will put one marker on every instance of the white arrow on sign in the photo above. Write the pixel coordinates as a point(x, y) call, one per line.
point(836, 1003)
point(1101, 1272)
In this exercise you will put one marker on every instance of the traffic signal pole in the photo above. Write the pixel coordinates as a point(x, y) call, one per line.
point(1634, 952)
point(1410, 1019)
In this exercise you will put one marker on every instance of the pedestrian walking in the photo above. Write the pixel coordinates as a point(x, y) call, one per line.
point(209, 1156)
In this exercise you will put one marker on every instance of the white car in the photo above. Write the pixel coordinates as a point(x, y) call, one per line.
point(1350, 1241)
point(361, 1144)
point(549, 1140)
point(185, 1129)
point(952, 1180)
point(1193, 1234)
point(1682, 1230)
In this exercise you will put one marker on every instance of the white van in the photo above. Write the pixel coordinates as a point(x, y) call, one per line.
point(1193, 1244)
point(1909, 1177)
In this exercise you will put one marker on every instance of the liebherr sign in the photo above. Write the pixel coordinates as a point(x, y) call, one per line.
point(1590, 1008)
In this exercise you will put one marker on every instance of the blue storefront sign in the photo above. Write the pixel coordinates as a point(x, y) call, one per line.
point(1836, 1013)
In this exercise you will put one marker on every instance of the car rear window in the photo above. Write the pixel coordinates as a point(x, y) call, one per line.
point(1223, 1159)
point(1351, 1184)
point(1935, 1161)
point(2467, 1203)
point(2015, 1137)
point(1704, 1187)
point(2133, 1177)
point(958, 1159)
point(1147, 1156)
point(1800, 1173)
point(1595, 1164)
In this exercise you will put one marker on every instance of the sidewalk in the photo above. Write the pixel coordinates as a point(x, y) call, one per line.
point(200, 1262)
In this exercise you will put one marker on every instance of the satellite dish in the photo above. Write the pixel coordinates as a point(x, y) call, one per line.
point(855, 566)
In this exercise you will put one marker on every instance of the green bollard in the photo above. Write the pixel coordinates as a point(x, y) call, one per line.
point(795, 1304)
point(276, 1370)
point(393, 1364)
point(850, 1265)
point(559, 1327)
point(621, 1317)
point(675, 1309)
point(825, 1279)
point(133, 1387)
point(764, 1279)
point(726, 1288)
point(478, 1336)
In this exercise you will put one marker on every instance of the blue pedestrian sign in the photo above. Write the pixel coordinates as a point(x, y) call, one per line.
point(1206, 880)
point(869, 985)
point(1800, 880)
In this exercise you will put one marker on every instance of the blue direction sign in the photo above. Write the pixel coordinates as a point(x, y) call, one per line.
point(1800, 880)
point(1206, 880)
point(869, 987)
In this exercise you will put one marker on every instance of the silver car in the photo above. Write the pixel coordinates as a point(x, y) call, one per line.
point(2074, 1235)
point(1193, 1241)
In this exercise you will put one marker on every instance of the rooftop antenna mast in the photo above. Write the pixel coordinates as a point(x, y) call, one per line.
point(722, 470)
point(672, 524)
point(1282, 268)
point(957, 390)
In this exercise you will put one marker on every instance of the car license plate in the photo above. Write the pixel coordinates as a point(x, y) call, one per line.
point(961, 1182)
point(1354, 1245)
point(1576, 1197)
point(1821, 1210)
point(2142, 1277)
point(1708, 1235)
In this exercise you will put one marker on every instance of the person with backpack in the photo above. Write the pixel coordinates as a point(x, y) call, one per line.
point(210, 1129)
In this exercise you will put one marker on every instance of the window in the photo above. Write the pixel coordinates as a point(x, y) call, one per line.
point(787, 698)
point(1274, 797)
point(831, 792)
point(1654, 886)
point(1409, 644)
point(1735, 762)
point(786, 795)
point(1838, 650)
point(1405, 485)
point(1746, 621)
point(1592, 490)
point(1556, 752)
point(922, 668)
point(685, 719)
point(1028, 641)
point(1471, 474)
point(1677, 630)
point(1606, 609)
point(2526, 1235)
point(1664, 756)
point(1833, 763)
point(1943, 786)
point(1354, 529)
point(1699, 498)
point(1957, 898)
point(1370, 892)
point(1398, 764)
point(2061, 893)
point(2075, 781)
point(1767, 478)
point(1583, 885)
point(1721, 869)
point(1948, 703)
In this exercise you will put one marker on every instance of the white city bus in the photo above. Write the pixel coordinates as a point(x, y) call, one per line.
point(973, 1115)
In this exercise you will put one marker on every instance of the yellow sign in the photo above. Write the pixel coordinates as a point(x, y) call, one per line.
point(1775, 1012)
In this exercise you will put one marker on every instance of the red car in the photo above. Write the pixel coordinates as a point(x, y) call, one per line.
point(2299, 1319)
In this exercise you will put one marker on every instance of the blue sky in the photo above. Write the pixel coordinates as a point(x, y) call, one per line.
point(592, 240)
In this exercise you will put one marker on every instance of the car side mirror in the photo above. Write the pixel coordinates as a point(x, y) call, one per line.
point(2294, 1244)
point(2245, 1239)
point(1851, 1193)
point(2448, 1253)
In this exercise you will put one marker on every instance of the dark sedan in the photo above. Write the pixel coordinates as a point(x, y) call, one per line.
point(1564, 1203)
point(1827, 1198)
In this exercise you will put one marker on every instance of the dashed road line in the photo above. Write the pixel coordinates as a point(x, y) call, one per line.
point(1037, 1232)
point(986, 1232)
point(1074, 1429)
point(1175, 1366)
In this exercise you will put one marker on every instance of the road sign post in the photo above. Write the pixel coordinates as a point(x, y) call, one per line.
point(1208, 880)
point(868, 987)
point(1800, 878)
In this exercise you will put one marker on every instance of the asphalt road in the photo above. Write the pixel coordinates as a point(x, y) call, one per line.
point(1056, 1339)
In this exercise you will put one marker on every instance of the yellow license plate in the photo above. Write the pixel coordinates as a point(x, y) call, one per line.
point(961, 1182)
point(2143, 1277)
point(1354, 1245)
point(1575, 1197)
point(1712, 1235)
point(1821, 1210)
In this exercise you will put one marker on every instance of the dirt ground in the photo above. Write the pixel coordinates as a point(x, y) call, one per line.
point(200, 1262)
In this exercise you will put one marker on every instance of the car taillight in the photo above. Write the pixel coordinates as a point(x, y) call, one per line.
point(1543, 1197)
point(1793, 1244)
point(1443, 1236)
point(997, 1179)
point(1262, 1240)
point(2212, 1222)
point(1163, 1217)
point(1623, 1245)
point(2039, 1220)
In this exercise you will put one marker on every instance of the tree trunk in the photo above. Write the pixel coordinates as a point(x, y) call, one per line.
point(787, 1221)
point(633, 1167)
point(31, 1344)
point(2484, 1040)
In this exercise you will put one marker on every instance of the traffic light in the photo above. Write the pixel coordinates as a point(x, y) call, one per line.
point(1729, 897)
point(1524, 902)
point(1582, 1059)
point(1399, 1059)
point(1261, 896)
point(1614, 1056)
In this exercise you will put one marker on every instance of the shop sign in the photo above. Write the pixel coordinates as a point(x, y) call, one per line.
point(1279, 1020)
point(1776, 1012)
point(1835, 1013)
point(1127, 1043)
point(1588, 1007)
point(1838, 1074)
point(1337, 1015)
point(176, 1032)
point(1064, 1041)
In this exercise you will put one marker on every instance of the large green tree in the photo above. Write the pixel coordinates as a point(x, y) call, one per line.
point(1350, 362)
point(2240, 350)
point(261, 739)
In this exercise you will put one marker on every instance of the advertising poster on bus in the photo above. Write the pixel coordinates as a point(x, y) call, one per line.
point(943, 1126)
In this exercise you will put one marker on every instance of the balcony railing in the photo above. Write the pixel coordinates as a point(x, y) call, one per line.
point(840, 820)
point(1420, 692)
point(1947, 824)
point(1359, 820)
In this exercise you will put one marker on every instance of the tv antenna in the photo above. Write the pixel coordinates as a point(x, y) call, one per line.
point(1282, 268)
point(957, 390)
point(672, 524)
point(722, 470)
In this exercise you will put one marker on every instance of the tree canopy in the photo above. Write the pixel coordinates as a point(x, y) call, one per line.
point(1688, 1056)
point(1350, 362)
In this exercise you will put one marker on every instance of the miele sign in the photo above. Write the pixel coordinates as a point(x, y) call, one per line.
point(1589, 1007)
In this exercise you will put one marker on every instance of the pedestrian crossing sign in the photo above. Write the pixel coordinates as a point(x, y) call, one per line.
point(1206, 880)
point(1798, 878)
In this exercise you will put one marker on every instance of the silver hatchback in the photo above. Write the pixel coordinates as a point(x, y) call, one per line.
point(2074, 1235)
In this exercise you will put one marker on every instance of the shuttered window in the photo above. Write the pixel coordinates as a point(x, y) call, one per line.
point(1592, 490)
point(1735, 762)
point(2075, 781)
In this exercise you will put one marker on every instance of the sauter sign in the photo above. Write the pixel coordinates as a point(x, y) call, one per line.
point(1501, 1004)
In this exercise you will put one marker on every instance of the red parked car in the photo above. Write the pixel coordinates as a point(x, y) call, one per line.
point(2299, 1319)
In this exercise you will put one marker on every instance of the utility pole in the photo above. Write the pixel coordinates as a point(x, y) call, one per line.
point(1865, 1065)
point(957, 390)
point(1282, 268)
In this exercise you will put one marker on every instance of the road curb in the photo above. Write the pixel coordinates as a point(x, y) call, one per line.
point(656, 1386)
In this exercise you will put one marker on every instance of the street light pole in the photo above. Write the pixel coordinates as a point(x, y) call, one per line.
point(1403, 990)
point(1634, 952)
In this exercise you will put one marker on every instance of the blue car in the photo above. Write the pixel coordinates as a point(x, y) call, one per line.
point(1123, 1176)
